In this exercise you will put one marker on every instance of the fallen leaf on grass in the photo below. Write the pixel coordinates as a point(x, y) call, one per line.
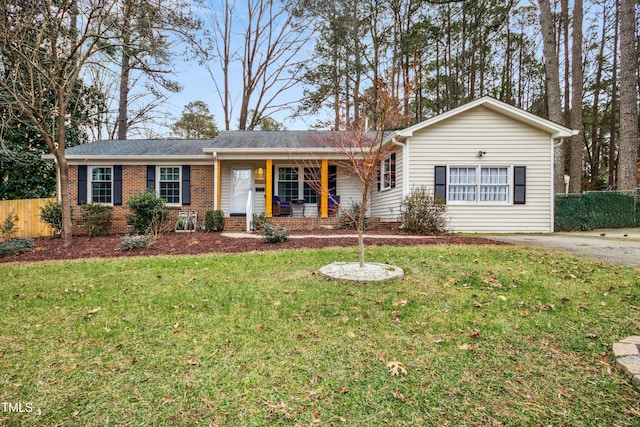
point(396, 368)
point(398, 395)
point(192, 362)
point(467, 347)
point(94, 311)
point(166, 400)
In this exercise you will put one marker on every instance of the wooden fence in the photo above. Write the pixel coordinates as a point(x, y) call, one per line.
point(28, 213)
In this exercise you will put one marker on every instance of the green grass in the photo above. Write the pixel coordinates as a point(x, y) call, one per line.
point(487, 335)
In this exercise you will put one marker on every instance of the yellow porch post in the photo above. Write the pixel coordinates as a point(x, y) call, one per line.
point(269, 187)
point(218, 176)
point(324, 184)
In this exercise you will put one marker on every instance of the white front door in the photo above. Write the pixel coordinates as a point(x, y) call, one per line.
point(241, 184)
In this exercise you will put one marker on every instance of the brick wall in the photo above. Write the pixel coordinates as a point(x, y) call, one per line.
point(134, 180)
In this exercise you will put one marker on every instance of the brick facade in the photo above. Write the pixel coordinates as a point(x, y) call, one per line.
point(134, 180)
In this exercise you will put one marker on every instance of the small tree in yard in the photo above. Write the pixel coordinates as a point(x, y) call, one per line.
point(364, 151)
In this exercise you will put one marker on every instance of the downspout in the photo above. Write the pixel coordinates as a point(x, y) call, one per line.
point(405, 166)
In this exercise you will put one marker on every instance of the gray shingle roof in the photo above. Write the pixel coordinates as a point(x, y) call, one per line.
point(291, 139)
point(226, 141)
point(141, 147)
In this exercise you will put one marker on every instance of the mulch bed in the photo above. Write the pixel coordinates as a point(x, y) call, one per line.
point(201, 242)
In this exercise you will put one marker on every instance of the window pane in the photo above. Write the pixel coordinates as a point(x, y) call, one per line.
point(461, 184)
point(101, 174)
point(101, 192)
point(170, 191)
point(170, 174)
point(101, 185)
point(311, 175)
point(494, 184)
point(169, 184)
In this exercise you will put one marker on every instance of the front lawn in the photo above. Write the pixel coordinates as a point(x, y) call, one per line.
point(477, 335)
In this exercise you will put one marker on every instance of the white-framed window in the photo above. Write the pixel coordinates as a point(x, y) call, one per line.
point(388, 172)
point(296, 183)
point(168, 184)
point(101, 185)
point(479, 184)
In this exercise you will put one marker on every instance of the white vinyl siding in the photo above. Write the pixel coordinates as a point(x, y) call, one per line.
point(505, 141)
point(386, 204)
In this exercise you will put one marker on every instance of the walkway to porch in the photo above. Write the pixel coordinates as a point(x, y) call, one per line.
point(291, 223)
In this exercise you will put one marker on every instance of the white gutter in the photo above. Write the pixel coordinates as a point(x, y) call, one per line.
point(405, 165)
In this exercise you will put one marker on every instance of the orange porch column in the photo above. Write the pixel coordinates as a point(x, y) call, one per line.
point(269, 187)
point(324, 184)
point(218, 176)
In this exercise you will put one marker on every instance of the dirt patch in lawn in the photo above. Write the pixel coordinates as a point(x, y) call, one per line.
point(201, 242)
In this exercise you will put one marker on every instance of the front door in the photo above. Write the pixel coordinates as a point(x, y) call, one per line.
point(241, 184)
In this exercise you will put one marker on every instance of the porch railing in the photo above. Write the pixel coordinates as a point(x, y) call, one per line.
point(249, 210)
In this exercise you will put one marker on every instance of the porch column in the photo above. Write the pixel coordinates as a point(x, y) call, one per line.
point(324, 185)
point(216, 185)
point(269, 187)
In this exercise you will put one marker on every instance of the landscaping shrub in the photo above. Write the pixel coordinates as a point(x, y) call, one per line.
point(274, 234)
point(51, 214)
point(8, 226)
point(259, 220)
point(421, 213)
point(348, 219)
point(135, 242)
point(16, 246)
point(149, 213)
point(214, 220)
point(97, 219)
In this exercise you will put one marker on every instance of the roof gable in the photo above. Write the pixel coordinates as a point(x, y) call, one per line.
point(553, 129)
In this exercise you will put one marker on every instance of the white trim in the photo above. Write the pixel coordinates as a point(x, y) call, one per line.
point(158, 167)
point(555, 130)
point(478, 184)
point(90, 182)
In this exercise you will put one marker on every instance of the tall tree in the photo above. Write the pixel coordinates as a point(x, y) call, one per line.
point(628, 158)
point(45, 45)
point(196, 122)
point(576, 142)
point(145, 42)
point(552, 75)
point(269, 56)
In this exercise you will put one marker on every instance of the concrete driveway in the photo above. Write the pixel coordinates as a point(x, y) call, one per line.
point(619, 246)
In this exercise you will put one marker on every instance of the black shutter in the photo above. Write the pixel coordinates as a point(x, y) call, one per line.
point(151, 177)
point(117, 185)
point(186, 185)
point(519, 185)
point(82, 185)
point(380, 178)
point(440, 182)
point(393, 170)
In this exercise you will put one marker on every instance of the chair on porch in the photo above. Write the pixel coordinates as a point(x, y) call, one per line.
point(279, 208)
point(334, 201)
point(332, 205)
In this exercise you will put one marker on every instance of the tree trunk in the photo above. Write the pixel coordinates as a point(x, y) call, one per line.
point(123, 99)
point(576, 147)
point(628, 158)
point(613, 162)
point(552, 75)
